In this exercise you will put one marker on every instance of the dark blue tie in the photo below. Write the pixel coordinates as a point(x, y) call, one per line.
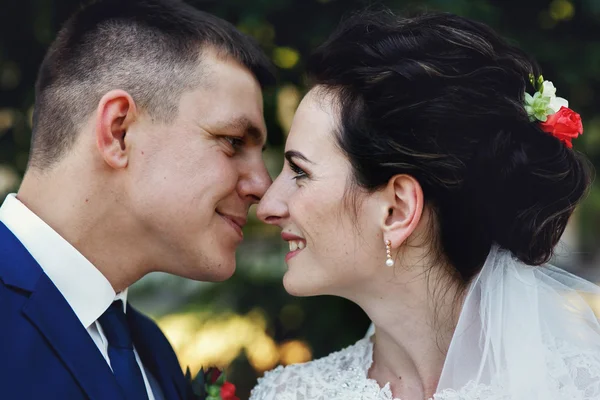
point(120, 351)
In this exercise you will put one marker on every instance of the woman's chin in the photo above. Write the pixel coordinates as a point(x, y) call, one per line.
point(299, 286)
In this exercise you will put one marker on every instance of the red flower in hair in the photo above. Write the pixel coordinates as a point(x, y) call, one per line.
point(564, 125)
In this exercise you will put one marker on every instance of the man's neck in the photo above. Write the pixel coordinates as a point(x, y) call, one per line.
point(97, 228)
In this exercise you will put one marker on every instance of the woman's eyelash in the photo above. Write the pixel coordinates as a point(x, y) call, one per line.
point(300, 173)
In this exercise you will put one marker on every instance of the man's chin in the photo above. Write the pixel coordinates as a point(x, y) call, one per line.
point(224, 275)
point(218, 271)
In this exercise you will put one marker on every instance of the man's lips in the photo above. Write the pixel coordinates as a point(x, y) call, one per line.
point(236, 222)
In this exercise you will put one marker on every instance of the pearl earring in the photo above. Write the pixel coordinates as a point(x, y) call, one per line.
point(388, 251)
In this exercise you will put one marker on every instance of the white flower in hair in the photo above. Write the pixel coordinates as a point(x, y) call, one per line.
point(544, 101)
point(548, 90)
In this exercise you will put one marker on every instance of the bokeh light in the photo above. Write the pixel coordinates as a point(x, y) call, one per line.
point(285, 57)
point(204, 340)
point(288, 98)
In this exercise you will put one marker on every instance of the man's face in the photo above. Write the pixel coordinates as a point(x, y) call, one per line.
point(193, 180)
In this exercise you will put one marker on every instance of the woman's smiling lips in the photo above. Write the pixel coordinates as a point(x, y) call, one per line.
point(297, 244)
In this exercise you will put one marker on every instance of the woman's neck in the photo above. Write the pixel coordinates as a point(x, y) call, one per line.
point(415, 318)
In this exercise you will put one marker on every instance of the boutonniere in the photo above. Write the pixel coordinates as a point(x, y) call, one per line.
point(210, 385)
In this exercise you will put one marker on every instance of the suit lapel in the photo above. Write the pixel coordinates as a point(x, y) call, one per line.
point(50, 313)
point(53, 317)
point(154, 350)
point(17, 268)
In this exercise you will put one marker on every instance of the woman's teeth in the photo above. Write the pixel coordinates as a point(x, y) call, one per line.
point(296, 245)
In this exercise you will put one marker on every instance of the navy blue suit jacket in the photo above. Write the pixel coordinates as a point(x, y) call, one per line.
point(45, 351)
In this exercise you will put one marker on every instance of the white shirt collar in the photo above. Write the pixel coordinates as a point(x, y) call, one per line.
point(84, 287)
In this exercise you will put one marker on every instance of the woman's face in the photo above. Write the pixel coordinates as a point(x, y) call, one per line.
point(334, 247)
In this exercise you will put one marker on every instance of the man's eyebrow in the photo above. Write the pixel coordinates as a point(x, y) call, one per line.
point(244, 124)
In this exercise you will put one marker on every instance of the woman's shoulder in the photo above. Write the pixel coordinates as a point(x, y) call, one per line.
point(322, 378)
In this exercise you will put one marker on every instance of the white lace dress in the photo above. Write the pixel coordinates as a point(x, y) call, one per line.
point(340, 375)
point(343, 375)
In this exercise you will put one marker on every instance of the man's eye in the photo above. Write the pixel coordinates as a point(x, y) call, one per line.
point(235, 142)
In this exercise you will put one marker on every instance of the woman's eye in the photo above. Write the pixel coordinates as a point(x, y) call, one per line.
point(300, 173)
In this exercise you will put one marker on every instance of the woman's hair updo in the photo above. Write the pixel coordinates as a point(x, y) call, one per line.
point(441, 98)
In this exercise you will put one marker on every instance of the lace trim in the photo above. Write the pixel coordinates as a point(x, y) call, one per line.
point(573, 372)
point(340, 375)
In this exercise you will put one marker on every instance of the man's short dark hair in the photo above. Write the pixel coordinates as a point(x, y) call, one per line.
point(150, 48)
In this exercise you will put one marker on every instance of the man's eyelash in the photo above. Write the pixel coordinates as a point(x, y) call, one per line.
point(235, 142)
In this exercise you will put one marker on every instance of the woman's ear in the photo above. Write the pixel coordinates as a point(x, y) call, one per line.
point(403, 207)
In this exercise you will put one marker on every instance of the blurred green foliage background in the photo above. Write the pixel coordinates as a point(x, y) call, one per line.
point(249, 324)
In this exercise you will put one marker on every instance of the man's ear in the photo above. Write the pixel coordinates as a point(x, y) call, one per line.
point(115, 114)
point(402, 208)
